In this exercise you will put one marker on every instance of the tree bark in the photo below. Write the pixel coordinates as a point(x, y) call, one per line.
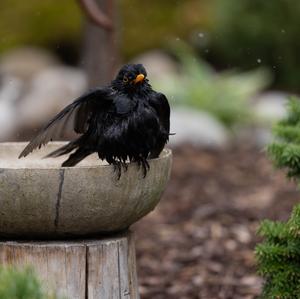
point(83, 269)
point(100, 54)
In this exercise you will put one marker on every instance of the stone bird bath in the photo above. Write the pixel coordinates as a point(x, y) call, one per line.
point(39, 199)
point(40, 202)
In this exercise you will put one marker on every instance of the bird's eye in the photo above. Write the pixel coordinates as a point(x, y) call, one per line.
point(125, 79)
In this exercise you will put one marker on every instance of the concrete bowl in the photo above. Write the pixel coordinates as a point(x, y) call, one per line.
point(40, 199)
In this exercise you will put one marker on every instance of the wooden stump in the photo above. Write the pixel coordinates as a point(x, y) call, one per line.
point(81, 269)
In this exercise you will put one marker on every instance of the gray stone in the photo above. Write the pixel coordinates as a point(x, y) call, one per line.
point(158, 64)
point(10, 91)
point(38, 198)
point(196, 127)
point(262, 137)
point(259, 136)
point(49, 92)
point(271, 107)
point(26, 62)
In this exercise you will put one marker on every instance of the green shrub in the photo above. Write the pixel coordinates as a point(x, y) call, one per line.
point(248, 33)
point(285, 151)
point(225, 95)
point(278, 255)
point(16, 284)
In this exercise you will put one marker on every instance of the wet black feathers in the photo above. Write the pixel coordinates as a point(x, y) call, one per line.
point(126, 120)
point(75, 116)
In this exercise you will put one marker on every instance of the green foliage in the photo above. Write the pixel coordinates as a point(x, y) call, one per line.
point(240, 33)
point(285, 151)
point(279, 255)
point(143, 24)
point(36, 22)
point(20, 285)
point(225, 95)
point(248, 32)
point(150, 24)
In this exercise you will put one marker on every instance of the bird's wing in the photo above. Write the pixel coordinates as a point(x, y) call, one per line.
point(75, 116)
point(160, 103)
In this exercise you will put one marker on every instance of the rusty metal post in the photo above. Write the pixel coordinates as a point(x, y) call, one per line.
point(100, 54)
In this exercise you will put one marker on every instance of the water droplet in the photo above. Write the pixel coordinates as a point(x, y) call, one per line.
point(259, 60)
point(283, 31)
point(177, 39)
point(201, 35)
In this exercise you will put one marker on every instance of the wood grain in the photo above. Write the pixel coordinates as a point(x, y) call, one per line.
point(85, 269)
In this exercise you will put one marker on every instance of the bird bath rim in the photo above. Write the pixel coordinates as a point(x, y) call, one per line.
point(166, 153)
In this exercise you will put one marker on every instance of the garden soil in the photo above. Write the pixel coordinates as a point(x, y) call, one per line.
point(199, 242)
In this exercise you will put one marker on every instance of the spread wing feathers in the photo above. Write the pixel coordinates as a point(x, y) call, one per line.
point(75, 116)
point(160, 103)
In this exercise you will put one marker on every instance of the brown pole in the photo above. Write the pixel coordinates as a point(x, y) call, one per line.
point(100, 43)
point(95, 14)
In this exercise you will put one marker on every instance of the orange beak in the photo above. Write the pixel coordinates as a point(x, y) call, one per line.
point(139, 78)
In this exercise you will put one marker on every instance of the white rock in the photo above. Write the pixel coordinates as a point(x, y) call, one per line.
point(158, 64)
point(263, 136)
point(259, 136)
point(10, 91)
point(196, 127)
point(271, 106)
point(50, 91)
point(26, 62)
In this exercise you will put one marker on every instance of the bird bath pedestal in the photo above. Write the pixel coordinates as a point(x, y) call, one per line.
point(70, 224)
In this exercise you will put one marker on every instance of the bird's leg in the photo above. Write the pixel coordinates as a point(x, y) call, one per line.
point(125, 166)
point(123, 159)
point(115, 163)
point(141, 162)
point(145, 166)
point(117, 168)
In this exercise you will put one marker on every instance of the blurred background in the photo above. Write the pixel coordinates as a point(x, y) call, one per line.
point(227, 68)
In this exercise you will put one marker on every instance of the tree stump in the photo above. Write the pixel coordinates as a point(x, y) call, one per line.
point(80, 269)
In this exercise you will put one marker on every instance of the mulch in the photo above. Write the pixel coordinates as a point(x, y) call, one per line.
point(200, 240)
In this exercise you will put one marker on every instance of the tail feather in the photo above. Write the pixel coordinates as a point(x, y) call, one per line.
point(64, 149)
point(76, 157)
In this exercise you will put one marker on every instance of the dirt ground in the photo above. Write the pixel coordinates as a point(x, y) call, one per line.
point(199, 242)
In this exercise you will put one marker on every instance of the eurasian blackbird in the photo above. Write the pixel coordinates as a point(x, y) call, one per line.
point(126, 120)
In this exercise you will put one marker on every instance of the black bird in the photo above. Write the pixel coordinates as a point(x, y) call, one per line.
point(126, 120)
